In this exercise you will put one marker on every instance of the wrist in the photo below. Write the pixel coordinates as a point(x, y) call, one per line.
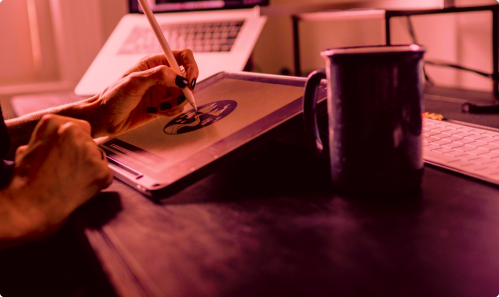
point(89, 110)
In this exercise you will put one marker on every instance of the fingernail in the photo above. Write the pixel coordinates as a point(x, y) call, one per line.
point(180, 99)
point(152, 110)
point(181, 82)
point(193, 83)
point(165, 105)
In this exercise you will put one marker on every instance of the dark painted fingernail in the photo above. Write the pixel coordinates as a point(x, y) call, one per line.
point(180, 99)
point(165, 105)
point(181, 82)
point(193, 83)
point(152, 110)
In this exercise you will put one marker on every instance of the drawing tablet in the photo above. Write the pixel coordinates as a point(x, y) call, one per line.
point(235, 112)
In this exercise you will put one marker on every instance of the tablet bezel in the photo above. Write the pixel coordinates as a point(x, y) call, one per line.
point(223, 151)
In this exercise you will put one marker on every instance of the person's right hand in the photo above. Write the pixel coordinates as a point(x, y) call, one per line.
point(58, 170)
point(148, 89)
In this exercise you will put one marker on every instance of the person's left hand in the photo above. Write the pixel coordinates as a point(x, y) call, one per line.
point(148, 89)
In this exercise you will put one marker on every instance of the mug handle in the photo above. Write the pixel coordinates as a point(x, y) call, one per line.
point(310, 112)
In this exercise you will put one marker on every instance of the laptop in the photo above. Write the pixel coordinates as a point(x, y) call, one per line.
point(221, 33)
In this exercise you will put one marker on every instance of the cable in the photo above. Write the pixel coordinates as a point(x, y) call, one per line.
point(466, 107)
point(428, 79)
point(455, 66)
point(445, 64)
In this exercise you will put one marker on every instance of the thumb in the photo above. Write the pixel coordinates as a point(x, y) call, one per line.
point(20, 152)
point(163, 75)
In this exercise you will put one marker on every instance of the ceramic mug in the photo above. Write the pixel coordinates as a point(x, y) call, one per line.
point(374, 103)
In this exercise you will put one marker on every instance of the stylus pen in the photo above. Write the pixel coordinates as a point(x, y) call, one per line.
point(166, 49)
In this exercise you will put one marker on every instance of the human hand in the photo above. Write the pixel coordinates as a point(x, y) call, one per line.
point(148, 89)
point(58, 170)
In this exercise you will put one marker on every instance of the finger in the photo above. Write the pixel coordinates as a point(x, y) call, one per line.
point(20, 151)
point(105, 176)
point(172, 112)
point(140, 82)
point(49, 124)
point(71, 133)
point(102, 173)
point(158, 98)
point(161, 100)
point(185, 58)
point(103, 154)
point(148, 62)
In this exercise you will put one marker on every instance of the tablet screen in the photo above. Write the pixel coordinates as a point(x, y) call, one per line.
point(231, 111)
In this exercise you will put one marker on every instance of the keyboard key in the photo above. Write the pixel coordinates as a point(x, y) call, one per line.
point(431, 147)
point(466, 148)
point(441, 141)
point(465, 140)
point(490, 133)
point(491, 155)
point(453, 153)
point(432, 139)
point(454, 138)
point(452, 145)
point(477, 144)
point(450, 132)
point(475, 167)
point(474, 136)
point(441, 129)
point(431, 133)
point(479, 160)
point(433, 155)
point(444, 150)
point(464, 134)
point(490, 147)
point(487, 139)
point(492, 163)
point(466, 156)
point(478, 131)
point(477, 151)
point(460, 163)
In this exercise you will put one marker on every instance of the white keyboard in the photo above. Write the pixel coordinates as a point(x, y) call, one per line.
point(199, 37)
point(469, 150)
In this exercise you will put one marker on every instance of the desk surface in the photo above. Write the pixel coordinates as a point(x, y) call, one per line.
point(265, 225)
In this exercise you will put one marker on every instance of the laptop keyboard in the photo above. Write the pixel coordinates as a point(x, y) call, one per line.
point(465, 149)
point(199, 37)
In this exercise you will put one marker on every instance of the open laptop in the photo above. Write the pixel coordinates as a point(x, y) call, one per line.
point(221, 33)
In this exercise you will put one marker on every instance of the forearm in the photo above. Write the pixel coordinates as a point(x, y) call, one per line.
point(21, 128)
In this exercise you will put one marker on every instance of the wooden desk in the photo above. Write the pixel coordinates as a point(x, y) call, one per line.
point(270, 225)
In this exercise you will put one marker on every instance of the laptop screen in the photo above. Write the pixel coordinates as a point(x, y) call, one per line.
point(191, 5)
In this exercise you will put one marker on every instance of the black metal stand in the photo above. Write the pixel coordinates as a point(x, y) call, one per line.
point(296, 44)
point(494, 9)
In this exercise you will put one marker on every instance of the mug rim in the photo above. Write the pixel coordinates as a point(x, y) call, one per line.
point(373, 49)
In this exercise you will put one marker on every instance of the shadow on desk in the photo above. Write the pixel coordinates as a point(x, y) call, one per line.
point(56, 266)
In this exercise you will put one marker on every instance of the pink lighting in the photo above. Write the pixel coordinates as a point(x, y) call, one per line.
point(35, 35)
